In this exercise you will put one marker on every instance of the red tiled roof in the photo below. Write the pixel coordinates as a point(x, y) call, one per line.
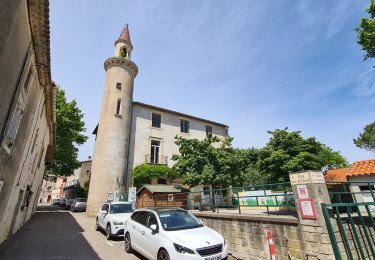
point(337, 175)
point(362, 168)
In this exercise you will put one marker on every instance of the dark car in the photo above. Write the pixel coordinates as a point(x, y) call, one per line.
point(56, 202)
point(68, 203)
point(79, 204)
point(63, 203)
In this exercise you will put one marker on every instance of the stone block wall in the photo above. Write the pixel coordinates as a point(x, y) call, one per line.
point(247, 236)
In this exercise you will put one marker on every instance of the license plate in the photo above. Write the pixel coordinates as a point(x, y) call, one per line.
point(217, 257)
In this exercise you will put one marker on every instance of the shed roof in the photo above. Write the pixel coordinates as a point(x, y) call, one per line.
point(162, 188)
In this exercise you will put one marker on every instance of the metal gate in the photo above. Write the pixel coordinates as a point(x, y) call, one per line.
point(351, 228)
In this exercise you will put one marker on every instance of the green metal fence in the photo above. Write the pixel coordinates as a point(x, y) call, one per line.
point(351, 191)
point(351, 229)
point(267, 198)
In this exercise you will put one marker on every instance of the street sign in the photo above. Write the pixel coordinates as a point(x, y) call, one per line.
point(132, 197)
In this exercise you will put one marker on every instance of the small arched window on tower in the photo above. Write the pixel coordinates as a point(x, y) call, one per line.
point(123, 52)
point(118, 108)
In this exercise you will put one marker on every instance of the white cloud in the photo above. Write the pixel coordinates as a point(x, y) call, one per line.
point(366, 83)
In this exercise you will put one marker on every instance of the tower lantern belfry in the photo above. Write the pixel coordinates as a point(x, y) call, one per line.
point(111, 152)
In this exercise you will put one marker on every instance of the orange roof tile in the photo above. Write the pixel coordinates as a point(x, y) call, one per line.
point(362, 168)
point(336, 175)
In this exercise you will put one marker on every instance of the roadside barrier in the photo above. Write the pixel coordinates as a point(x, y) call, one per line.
point(272, 246)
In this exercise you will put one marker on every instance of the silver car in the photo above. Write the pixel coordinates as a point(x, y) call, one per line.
point(78, 205)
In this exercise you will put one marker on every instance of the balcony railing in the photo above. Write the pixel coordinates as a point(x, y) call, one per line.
point(156, 160)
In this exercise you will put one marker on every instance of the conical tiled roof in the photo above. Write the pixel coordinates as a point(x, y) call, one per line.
point(124, 36)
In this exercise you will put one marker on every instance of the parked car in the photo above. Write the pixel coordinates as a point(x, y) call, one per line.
point(56, 202)
point(171, 233)
point(112, 216)
point(62, 203)
point(78, 204)
point(68, 204)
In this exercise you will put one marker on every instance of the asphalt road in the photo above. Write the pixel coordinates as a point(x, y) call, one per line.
point(54, 234)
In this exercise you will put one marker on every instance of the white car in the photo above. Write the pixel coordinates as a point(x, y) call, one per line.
point(112, 216)
point(172, 234)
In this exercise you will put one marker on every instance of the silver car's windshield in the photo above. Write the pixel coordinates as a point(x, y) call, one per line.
point(177, 220)
point(121, 208)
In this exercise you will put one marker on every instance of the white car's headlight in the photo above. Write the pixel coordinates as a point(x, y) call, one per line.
point(117, 223)
point(182, 249)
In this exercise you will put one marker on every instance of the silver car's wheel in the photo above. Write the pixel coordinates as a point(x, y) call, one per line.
point(163, 255)
point(97, 225)
point(128, 243)
point(108, 232)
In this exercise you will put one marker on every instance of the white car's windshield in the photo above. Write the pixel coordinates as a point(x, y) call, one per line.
point(121, 208)
point(177, 220)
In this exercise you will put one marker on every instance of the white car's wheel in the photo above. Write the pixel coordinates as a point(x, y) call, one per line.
point(128, 243)
point(163, 255)
point(108, 232)
point(97, 225)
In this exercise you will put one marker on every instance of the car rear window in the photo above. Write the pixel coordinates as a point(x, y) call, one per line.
point(140, 217)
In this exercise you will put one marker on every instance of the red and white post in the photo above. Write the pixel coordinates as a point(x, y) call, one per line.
point(272, 246)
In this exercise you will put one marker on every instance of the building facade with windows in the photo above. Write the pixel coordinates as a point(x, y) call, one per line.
point(132, 133)
point(27, 109)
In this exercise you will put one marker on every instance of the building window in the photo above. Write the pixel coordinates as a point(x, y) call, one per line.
point(162, 181)
point(13, 127)
point(184, 124)
point(118, 106)
point(156, 120)
point(155, 148)
point(206, 190)
point(27, 81)
point(123, 52)
point(18, 107)
point(118, 85)
point(208, 129)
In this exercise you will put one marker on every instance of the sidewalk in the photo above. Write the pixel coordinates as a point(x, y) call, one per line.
point(53, 233)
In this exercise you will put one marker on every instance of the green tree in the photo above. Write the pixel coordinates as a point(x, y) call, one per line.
point(69, 128)
point(144, 173)
point(289, 151)
point(366, 32)
point(366, 139)
point(209, 162)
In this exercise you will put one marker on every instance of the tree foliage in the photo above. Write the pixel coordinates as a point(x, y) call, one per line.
point(216, 163)
point(69, 128)
point(366, 32)
point(210, 162)
point(144, 173)
point(289, 151)
point(366, 139)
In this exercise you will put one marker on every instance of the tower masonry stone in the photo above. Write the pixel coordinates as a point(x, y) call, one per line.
point(110, 159)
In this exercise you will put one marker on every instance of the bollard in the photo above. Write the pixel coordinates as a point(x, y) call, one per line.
point(272, 246)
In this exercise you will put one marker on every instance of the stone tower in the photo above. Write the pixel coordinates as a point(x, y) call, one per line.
point(110, 160)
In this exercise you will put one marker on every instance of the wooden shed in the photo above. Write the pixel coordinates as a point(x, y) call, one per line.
point(150, 196)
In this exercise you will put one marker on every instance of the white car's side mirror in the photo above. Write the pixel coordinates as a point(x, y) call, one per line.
point(154, 227)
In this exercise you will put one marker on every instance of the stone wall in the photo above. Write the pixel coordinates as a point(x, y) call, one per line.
point(247, 236)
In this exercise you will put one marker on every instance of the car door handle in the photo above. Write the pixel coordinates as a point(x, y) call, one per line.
point(143, 233)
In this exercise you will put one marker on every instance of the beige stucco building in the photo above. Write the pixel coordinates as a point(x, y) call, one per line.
point(80, 179)
point(131, 133)
point(27, 109)
point(45, 195)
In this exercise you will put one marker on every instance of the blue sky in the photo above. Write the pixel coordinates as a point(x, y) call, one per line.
point(253, 65)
